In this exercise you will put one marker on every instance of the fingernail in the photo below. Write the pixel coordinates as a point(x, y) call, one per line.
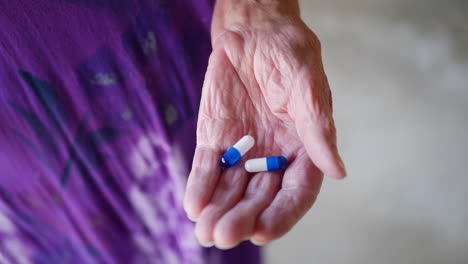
point(343, 167)
point(193, 219)
point(257, 242)
point(227, 246)
point(206, 244)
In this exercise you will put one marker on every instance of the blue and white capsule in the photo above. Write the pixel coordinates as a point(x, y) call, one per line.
point(266, 164)
point(233, 155)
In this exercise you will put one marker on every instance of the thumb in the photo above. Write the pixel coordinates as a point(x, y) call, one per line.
point(315, 127)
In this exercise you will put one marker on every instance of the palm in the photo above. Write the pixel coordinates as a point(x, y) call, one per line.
point(251, 87)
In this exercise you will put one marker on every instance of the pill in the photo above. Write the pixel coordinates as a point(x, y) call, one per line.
point(266, 164)
point(234, 154)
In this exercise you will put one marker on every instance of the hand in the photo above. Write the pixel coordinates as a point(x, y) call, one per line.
point(267, 81)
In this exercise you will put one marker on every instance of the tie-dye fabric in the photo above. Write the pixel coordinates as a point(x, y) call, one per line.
point(98, 112)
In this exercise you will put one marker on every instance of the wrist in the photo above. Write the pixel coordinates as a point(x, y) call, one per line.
point(234, 15)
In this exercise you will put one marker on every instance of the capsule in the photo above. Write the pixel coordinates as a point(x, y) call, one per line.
point(239, 149)
point(266, 164)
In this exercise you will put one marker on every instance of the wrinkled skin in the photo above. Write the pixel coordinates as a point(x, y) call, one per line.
point(268, 83)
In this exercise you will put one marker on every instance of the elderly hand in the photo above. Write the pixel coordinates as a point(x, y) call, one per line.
point(265, 79)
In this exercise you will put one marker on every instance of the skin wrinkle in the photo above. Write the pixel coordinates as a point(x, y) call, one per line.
point(199, 171)
point(284, 67)
point(260, 105)
point(280, 109)
point(203, 182)
point(259, 186)
point(290, 198)
point(310, 102)
point(234, 180)
point(256, 198)
point(225, 196)
point(294, 216)
point(298, 182)
point(254, 52)
point(273, 72)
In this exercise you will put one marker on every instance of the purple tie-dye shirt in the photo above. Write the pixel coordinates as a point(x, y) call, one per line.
point(98, 112)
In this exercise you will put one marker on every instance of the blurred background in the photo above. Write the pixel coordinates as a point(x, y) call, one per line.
point(398, 70)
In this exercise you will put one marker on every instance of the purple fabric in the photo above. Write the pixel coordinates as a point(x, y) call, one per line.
point(97, 131)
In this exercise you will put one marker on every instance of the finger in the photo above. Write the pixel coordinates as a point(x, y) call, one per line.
point(316, 128)
point(202, 181)
point(299, 189)
point(229, 190)
point(238, 223)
